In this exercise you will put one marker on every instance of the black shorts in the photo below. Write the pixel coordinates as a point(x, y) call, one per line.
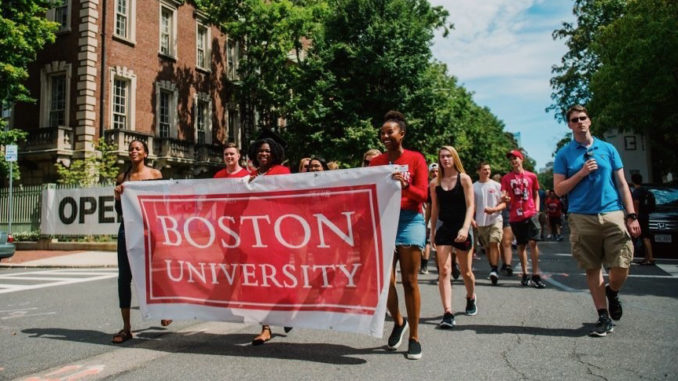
point(526, 230)
point(554, 221)
point(644, 227)
point(446, 234)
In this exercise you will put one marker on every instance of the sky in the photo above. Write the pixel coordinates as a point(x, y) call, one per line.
point(502, 51)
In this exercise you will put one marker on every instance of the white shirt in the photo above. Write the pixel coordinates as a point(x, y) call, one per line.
point(487, 195)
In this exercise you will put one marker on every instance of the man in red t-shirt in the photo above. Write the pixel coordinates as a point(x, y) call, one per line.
point(232, 161)
point(522, 188)
point(555, 210)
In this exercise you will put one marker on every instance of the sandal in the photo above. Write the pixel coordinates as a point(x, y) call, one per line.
point(122, 336)
point(263, 337)
point(646, 262)
point(165, 322)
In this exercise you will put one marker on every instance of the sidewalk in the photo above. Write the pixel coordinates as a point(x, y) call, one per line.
point(60, 258)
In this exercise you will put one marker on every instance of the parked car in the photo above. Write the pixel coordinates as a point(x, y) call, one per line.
point(664, 221)
point(6, 246)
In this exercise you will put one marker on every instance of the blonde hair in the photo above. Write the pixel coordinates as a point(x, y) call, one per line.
point(455, 159)
point(307, 161)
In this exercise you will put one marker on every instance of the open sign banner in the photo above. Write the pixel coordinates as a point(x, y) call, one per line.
point(305, 250)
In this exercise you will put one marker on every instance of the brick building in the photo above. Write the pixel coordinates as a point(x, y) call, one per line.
point(131, 69)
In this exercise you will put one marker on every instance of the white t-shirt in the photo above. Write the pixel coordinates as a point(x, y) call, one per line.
point(487, 195)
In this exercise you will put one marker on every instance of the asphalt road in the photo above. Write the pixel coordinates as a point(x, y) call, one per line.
point(64, 332)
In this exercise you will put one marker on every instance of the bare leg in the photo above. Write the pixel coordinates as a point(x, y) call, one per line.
point(445, 269)
point(522, 254)
point(409, 267)
point(594, 278)
point(534, 253)
point(466, 265)
point(392, 301)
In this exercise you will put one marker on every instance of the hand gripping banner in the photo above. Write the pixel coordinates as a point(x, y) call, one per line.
point(307, 250)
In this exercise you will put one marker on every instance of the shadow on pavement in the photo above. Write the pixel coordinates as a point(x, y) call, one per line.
point(217, 344)
point(513, 329)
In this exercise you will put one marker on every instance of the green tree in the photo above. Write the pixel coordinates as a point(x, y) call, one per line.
point(100, 168)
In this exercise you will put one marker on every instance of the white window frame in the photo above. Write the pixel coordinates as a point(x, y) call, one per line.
point(207, 100)
point(130, 27)
point(52, 16)
point(172, 33)
point(206, 65)
point(232, 119)
point(171, 88)
point(125, 74)
point(232, 59)
point(46, 73)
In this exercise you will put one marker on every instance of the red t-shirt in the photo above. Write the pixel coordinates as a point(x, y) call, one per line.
point(417, 174)
point(554, 207)
point(223, 174)
point(521, 187)
point(274, 170)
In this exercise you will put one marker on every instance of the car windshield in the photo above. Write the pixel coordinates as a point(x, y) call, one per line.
point(666, 197)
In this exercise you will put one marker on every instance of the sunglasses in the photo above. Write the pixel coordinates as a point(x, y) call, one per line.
point(578, 119)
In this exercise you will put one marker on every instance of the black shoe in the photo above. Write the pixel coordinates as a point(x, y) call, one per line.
point(525, 281)
point(494, 278)
point(509, 270)
point(536, 282)
point(287, 329)
point(414, 350)
point(613, 303)
point(397, 334)
point(503, 269)
point(455, 271)
point(603, 327)
point(448, 321)
point(471, 307)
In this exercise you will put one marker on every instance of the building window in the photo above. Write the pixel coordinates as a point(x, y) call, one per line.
point(166, 109)
point(122, 99)
point(61, 13)
point(55, 81)
point(233, 59)
point(168, 29)
point(203, 118)
point(125, 11)
point(202, 47)
point(233, 125)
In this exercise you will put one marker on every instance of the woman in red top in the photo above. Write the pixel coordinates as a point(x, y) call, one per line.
point(267, 156)
point(411, 237)
point(232, 161)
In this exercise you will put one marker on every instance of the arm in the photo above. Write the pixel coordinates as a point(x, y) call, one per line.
point(535, 194)
point(625, 193)
point(417, 188)
point(470, 208)
point(434, 213)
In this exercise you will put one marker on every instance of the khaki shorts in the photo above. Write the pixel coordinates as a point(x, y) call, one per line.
point(600, 239)
point(490, 234)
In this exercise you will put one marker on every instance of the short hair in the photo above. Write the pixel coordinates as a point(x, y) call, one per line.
point(482, 164)
point(320, 160)
point(333, 165)
point(371, 152)
point(396, 117)
point(636, 178)
point(277, 151)
point(575, 108)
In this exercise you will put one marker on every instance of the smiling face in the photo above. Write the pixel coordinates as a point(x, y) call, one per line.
point(484, 172)
point(315, 166)
point(231, 156)
point(137, 152)
point(264, 155)
point(391, 135)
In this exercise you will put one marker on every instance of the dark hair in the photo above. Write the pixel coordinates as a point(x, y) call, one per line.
point(396, 117)
point(322, 162)
point(277, 151)
point(636, 178)
point(482, 164)
point(575, 108)
point(129, 168)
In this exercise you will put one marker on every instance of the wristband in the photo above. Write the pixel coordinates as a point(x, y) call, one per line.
point(632, 216)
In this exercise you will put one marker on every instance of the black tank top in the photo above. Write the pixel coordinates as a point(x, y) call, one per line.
point(452, 204)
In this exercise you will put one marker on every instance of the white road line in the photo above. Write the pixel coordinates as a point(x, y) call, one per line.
point(50, 281)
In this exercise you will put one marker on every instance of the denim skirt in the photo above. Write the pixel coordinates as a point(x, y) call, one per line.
point(411, 229)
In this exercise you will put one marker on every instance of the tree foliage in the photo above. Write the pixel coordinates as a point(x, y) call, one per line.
point(100, 168)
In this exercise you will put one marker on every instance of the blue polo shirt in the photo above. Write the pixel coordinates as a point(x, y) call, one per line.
point(596, 193)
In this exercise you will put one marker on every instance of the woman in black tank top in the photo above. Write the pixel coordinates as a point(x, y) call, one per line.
point(452, 204)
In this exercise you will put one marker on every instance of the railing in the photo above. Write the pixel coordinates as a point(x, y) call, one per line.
point(208, 154)
point(49, 139)
point(120, 139)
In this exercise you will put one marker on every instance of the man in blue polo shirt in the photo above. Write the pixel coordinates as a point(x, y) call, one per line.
point(590, 172)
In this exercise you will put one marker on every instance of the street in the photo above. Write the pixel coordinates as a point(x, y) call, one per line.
point(64, 330)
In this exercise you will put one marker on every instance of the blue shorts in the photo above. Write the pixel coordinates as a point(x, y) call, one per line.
point(411, 229)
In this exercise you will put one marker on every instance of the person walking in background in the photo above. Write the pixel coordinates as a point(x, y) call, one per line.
point(137, 171)
point(555, 212)
point(410, 237)
point(522, 187)
point(644, 203)
point(426, 255)
point(487, 217)
point(452, 203)
point(369, 155)
point(591, 173)
point(506, 233)
point(232, 161)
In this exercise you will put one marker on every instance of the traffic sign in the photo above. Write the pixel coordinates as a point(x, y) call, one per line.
point(11, 152)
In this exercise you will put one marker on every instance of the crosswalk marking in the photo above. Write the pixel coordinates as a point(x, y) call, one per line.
point(15, 282)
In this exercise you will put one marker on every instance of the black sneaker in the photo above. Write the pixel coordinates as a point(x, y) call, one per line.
point(525, 281)
point(494, 278)
point(414, 350)
point(455, 271)
point(614, 304)
point(448, 321)
point(509, 270)
point(536, 282)
point(471, 307)
point(603, 327)
point(503, 268)
point(397, 334)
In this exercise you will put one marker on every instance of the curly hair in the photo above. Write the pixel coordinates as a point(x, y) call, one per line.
point(277, 151)
point(396, 117)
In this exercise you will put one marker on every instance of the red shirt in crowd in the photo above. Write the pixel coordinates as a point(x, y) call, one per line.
point(521, 187)
point(274, 170)
point(554, 207)
point(417, 175)
point(223, 174)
